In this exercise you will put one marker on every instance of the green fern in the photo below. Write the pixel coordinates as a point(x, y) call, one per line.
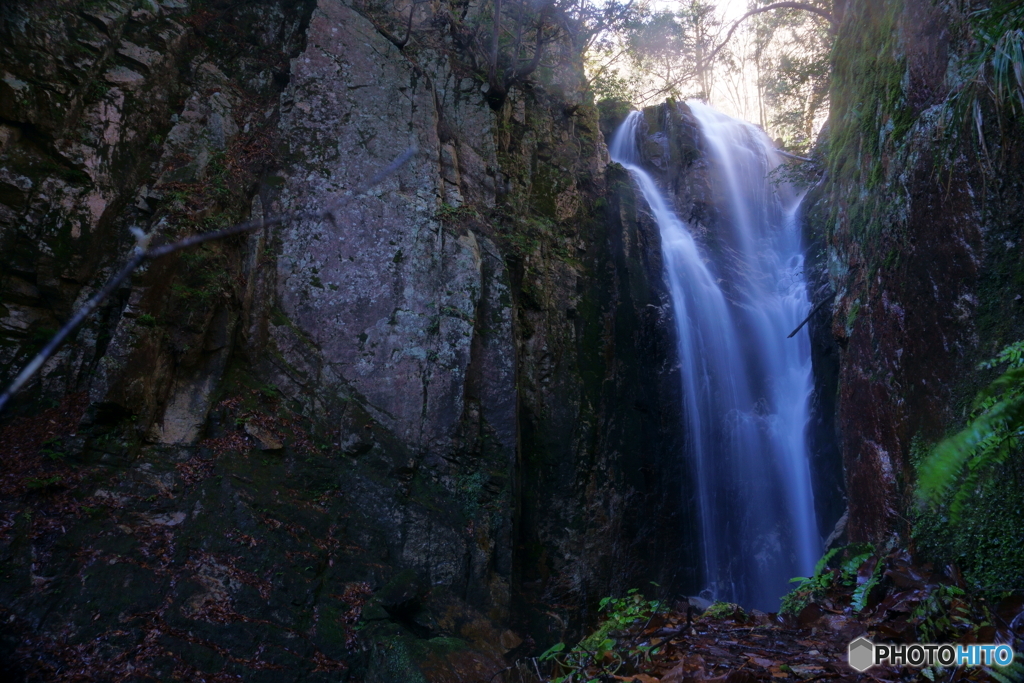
point(849, 569)
point(812, 587)
point(863, 592)
point(1011, 673)
point(995, 432)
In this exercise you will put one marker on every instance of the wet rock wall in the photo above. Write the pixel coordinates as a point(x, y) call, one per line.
point(436, 413)
point(916, 239)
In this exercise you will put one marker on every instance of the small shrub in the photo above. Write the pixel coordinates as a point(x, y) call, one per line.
point(836, 568)
point(599, 648)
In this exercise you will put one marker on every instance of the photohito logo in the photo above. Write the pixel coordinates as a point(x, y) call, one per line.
point(862, 654)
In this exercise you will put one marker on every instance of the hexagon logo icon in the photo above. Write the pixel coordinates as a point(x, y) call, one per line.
point(861, 654)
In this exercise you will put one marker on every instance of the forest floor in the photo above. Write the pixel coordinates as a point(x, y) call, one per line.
point(884, 599)
point(854, 593)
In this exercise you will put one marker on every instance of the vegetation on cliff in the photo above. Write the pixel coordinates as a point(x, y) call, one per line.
point(921, 154)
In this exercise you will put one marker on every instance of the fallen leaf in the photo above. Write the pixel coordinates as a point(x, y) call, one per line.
point(760, 661)
point(642, 678)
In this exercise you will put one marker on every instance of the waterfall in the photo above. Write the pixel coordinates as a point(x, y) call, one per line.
point(745, 385)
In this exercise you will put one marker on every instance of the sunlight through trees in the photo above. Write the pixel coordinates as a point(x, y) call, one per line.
point(766, 62)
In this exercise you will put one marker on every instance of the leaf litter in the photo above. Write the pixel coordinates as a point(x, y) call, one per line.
point(910, 603)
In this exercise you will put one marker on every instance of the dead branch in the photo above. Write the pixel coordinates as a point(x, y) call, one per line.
point(808, 318)
point(143, 252)
point(790, 155)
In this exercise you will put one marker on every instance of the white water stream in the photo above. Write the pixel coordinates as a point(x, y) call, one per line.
point(746, 387)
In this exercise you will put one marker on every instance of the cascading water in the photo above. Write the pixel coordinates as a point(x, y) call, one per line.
point(746, 386)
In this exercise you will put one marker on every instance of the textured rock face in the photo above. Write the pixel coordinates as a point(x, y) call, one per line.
point(444, 394)
point(918, 262)
point(387, 294)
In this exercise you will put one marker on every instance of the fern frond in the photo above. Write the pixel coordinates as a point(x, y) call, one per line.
point(823, 562)
point(1009, 382)
point(987, 440)
point(1011, 673)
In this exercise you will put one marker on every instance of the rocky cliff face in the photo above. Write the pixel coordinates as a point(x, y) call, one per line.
point(436, 412)
point(921, 247)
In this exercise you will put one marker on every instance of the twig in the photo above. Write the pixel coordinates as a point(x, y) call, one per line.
point(400, 43)
point(789, 155)
point(496, 673)
point(703, 62)
point(809, 316)
point(142, 253)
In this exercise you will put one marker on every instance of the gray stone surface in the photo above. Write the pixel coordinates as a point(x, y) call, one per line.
point(386, 294)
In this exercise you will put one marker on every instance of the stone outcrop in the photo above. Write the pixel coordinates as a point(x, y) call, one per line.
point(436, 413)
point(917, 246)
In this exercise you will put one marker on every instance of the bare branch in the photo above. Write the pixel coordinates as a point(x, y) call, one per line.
point(789, 155)
point(810, 315)
point(607, 65)
point(515, 74)
point(767, 8)
point(604, 24)
point(142, 253)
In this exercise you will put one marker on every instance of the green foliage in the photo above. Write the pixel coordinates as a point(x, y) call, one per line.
point(722, 610)
point(523, 237)
point(602, 648)
point(656, 55)
point(863, 591)
point(1011, 673)
point(202, 280)
point(791, 53)
point(41, 483)
point(836, 568)
point(993, 73)
point(809, 587)
point(969, 486)
point(614, 109)
point(940, 612)
point(869, 123)
point(623, 612)
point(799, 175)
point(992, 435)
point(455, 214)
point(53, 449)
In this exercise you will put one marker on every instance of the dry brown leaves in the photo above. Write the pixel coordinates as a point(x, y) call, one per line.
point(232, 442)
point(285, 429)
point(195, 470)
point(22, 441)
point(742, 648)
point(355, 596)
